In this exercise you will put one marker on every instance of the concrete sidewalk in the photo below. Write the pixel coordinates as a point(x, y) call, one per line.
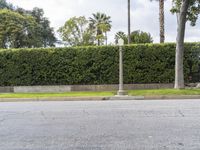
point(103, 98)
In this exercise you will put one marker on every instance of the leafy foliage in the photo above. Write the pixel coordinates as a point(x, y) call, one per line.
point(141, 37)
point(143, 63)
point(16, 30)
point(192, 12)
point(76, 32)
point(22, 28)
point(137, 37)
point(44, 32)
point(5, 5)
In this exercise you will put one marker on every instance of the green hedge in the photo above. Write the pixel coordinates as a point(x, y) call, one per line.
point(145, 63)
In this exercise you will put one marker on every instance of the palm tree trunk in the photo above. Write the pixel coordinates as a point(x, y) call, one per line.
point(162, 21)
point(179, 75)
point(106, 38)
point(98, 40)
point(129, 23)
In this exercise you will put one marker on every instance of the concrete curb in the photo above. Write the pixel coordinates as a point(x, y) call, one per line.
point(126, 97)
point(53, 99)
point(162, 97)
point(167, 97)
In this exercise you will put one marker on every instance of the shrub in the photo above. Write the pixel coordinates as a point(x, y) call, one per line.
point(143, 63)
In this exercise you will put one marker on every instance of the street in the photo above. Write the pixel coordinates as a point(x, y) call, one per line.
point(100, 125)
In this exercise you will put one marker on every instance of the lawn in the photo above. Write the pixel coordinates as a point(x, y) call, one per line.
point(155, 92)
point(67, 94)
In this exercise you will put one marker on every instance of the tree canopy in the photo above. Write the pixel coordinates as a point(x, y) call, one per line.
point(192, 11)
point(79, 31)
point(137, 37)
point(45, 32)
point(16, 30)
point(22, 28)
point(76, 32)
point(4, 4)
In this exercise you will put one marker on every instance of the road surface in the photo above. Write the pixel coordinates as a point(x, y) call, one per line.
point(101, 125)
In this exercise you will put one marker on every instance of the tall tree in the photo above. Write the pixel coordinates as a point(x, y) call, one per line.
point(101, 23)
point(44, 32)
point(129, 22)
point(137, 37)
point(37, 27)
point(76, 32)
point(141, 37)
point(186, 10)
point(16, 30)
point(5, 4)
point(35, 30)
point(161, 20)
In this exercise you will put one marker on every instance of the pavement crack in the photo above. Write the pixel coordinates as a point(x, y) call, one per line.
point(181, 113)
point(85, 112)
point(2, 120)
point(6, 117)
point(43, 115)
point(25, 112)
point(180, 144)
point(13, 114)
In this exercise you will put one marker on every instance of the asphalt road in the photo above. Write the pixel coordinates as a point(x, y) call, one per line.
point(101, 125)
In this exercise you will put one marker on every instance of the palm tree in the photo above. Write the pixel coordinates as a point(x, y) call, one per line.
point(161, 20)
point(105, 28)
point(121, 35)
point(129, 23)
point(101, 23)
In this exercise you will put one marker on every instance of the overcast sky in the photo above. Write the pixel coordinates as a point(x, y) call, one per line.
point(144, 15)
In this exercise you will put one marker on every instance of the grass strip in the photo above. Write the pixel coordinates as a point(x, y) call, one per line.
point(157, 92)
point(154, 92)
point(46, 95)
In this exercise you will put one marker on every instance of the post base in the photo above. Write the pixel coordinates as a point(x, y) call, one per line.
point(126, 97)
point(122, 93)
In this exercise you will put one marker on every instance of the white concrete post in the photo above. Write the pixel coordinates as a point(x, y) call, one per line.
point(121, 91)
